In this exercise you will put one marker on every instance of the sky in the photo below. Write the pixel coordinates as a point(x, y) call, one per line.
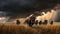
point(57, 17)
point(23, 8)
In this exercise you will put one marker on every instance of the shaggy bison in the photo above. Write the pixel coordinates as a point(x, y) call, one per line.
point(51, 22)
point(30, 21)
point(40, 22)
point(45, 22)
point(17, 22)
point(36, 22)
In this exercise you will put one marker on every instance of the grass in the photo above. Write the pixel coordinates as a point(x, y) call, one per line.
point(23, 29)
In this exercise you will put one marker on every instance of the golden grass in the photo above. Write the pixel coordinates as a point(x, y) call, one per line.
point(16, 29)
point(23, 29)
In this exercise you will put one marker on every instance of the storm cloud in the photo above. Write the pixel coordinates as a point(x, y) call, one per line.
point(26, 7)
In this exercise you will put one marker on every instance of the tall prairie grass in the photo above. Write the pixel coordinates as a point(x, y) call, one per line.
point(23, 29)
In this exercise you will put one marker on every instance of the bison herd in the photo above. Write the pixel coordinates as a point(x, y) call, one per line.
point(32, 21)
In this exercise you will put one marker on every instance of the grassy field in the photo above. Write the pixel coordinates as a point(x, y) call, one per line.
point(24, 29)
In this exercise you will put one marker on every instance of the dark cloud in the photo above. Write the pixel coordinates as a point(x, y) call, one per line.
point(57, 17)
point(22, 7)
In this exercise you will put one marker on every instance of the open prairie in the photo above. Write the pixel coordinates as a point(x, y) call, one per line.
point(25, 29)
